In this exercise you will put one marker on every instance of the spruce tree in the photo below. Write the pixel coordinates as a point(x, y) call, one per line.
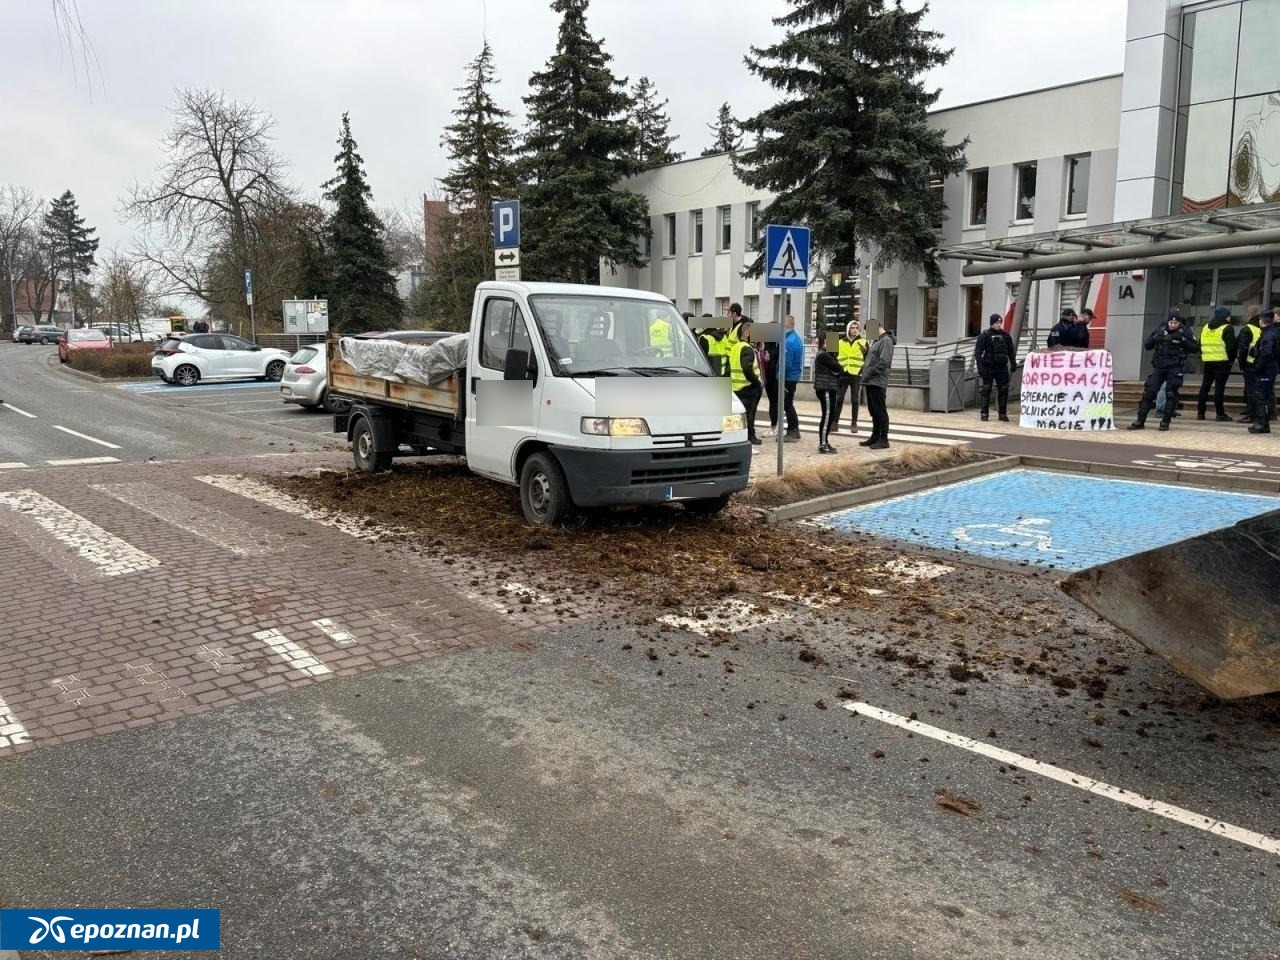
point(70, 243)
point(362, 291)
point(849, 151)
point(728, 133)
point(578, 146)
point(481, 147)
point(653, 142)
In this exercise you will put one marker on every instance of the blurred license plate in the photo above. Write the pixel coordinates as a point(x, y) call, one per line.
point(688, 491)
point(287, 391)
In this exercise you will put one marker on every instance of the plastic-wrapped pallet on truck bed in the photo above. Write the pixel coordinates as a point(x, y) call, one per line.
point(406, 363)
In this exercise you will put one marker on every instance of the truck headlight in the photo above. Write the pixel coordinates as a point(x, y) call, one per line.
point(733, 421)
point(615, 426)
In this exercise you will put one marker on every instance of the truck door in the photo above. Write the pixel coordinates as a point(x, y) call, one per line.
point(502, 413)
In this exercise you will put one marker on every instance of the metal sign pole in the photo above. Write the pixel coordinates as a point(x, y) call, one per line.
point(781, 378)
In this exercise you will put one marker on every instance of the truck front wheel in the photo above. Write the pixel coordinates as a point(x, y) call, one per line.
point(544, 493)
point(364, 447)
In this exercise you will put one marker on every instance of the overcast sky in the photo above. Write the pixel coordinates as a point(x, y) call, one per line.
point(394, 65)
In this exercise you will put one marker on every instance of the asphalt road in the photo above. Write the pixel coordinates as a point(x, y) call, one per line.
point(49, 414)
point(615, 788)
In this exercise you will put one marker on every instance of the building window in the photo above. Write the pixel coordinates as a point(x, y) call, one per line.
point(936, 192)
point(931, 295)
point(973, 310)
point(757, 227)
point(1024, 185)
point(751, 307)
point(695, 306)
point(978, 198)
point(697, 231)
point(722, 306)
point(669, 221)
point(647, 244)
point(1078, 185)
point(726, 233)
point(1226, 151)
point(1210, 40)
point(888, 312)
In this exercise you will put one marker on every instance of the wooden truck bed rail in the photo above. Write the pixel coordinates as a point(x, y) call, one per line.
point(345, 382)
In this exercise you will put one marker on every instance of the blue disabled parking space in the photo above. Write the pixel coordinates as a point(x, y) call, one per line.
point(159, 386)
point(1051, 520)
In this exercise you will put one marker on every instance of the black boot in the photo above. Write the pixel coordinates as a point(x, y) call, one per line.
point(1144, 407)
point(1261, 421)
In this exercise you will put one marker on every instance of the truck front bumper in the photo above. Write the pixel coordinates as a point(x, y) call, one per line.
point(600, 478)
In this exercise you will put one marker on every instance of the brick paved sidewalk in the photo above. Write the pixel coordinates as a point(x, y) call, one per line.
point(137, 592)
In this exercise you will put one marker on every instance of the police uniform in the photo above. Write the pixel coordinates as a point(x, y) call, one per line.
point(1265, 355)
point(994, 357)
point(1169, 349)
point(1245, 339)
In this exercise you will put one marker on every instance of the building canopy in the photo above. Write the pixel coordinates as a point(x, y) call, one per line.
point(1231, 233)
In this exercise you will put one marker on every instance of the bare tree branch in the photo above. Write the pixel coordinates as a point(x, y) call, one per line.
point(73, 36)
point(220, 176)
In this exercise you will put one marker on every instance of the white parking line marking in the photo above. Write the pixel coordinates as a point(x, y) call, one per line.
point(85, 436)
point(334, 631)
point(296, 656)
point(728, 616)
point(12, 732)
point(205, 522)
point(913, 569)
point(1178, 814)
point(12, 466)
point(10, 406)
point(81, 461)
point(111, 555)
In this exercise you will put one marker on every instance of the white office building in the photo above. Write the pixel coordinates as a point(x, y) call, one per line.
point(1130, 193)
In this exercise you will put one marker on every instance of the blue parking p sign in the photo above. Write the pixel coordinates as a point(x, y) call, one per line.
point(786, 257)
point(506, 224)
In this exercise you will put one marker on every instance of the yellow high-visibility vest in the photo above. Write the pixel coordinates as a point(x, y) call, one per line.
point(660, 336)
point(1213, 347)
point(738, 375)
point(852, 354)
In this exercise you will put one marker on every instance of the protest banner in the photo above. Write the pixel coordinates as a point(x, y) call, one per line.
point(1068, 390)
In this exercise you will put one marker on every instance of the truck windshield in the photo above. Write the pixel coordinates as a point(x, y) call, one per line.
point(586, 336)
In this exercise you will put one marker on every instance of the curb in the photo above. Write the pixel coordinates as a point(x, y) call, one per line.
point(71, 371)
point(897, 488)
point(890, 488)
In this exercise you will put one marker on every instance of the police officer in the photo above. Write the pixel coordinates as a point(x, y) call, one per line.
point(743, 373)
point(1265, 354)
point(851, 353)
point(1170, 344)
point(993, 354)
point(1248, 334)
point(1067, 332)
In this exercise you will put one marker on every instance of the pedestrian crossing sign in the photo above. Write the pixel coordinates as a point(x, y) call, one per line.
point(786, 257)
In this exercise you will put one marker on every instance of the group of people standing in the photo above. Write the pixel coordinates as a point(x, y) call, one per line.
point(856, 364)
point(1254, 347)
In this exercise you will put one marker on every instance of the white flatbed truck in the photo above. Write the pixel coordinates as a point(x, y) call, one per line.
point(582, 396)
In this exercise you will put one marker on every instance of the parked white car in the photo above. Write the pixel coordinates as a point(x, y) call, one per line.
point(216, 356)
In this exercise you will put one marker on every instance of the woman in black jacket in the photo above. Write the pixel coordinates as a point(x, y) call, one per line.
point(826, 384)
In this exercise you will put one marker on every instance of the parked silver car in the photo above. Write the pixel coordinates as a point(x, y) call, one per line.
point(306, 380)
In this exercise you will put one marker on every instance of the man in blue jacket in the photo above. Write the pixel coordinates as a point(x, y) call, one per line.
point(791, 378)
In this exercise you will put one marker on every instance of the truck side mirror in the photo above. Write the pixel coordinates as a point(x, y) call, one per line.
point(517, 365)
